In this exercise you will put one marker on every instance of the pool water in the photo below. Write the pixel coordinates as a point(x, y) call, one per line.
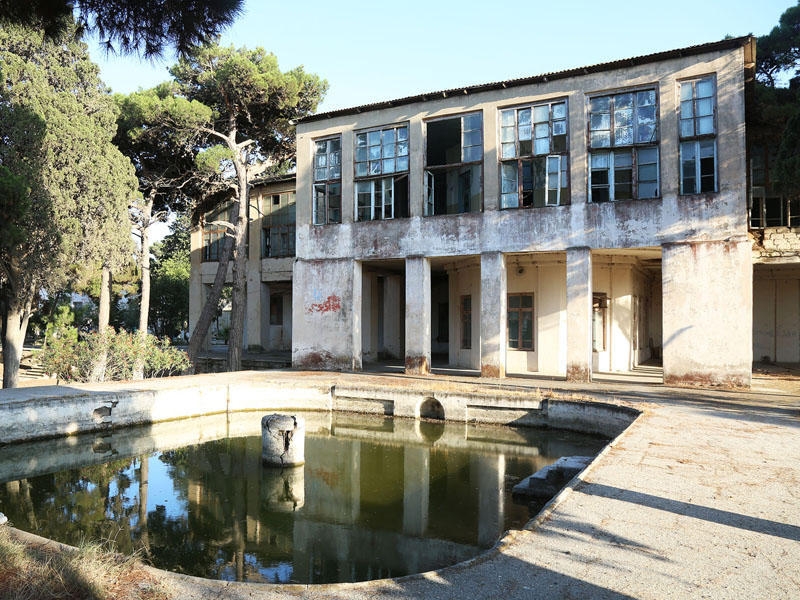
point(376, 497)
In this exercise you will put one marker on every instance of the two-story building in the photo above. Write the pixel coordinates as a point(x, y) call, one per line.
point(564, 224)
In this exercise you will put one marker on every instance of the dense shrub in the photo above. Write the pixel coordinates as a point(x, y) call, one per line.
point(76, 360)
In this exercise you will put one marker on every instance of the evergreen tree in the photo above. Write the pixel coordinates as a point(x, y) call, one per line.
point(254, 105)
point(73, 186)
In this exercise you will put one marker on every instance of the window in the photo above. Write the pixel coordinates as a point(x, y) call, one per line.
point(520, 321)
point(454, 165)
point(381, 170)
point(698, 149)
point(214, 228)
point(278, 225)
point(327, 201)
point(276, 309)
point(599, 318)
point(533, 154)
point(623, 142)
point(466, 322)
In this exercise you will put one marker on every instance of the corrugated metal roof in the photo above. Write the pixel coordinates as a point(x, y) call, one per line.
point(725, 44)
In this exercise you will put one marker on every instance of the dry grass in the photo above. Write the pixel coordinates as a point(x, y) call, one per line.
point(45, 572)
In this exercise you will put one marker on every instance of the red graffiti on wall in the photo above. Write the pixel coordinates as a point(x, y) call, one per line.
point(331, 304)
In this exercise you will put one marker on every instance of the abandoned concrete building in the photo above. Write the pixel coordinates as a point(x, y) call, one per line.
point(584, 221)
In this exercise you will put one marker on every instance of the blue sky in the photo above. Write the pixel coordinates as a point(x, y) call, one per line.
point(369, 53)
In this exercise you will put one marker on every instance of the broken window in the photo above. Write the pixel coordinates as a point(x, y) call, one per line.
point(214, 227)
point(623, 141)
point(327, 200)
point(533, 154)
point(599, 318)
point(454, 165)
point(698, 149)
point(278, 225)
point(520, 321)
point(466, 322)
point(381, 173)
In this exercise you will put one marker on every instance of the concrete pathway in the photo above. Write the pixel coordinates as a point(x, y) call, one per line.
point(699, 498)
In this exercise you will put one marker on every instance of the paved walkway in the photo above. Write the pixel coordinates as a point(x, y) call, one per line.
point(699, 498)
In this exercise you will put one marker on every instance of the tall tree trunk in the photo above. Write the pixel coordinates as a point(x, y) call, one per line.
point(144, 298)
point(239, 293)
point(14, 326)
point(200, 330)
point(103, 317)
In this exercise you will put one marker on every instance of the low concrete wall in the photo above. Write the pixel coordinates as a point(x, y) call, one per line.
point(57, 411)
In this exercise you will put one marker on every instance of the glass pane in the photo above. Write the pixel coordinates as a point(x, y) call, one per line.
point(541, 130)
point(508, 150)
point(375, 167)
point(509, 200)
point(648, 189)
point(361, 139)
point(524, 132)
point(361, 169)
point(560, 110)
point(321, 147)
point(321, 160)
point(622, 159)
point(472, 154)
point(705, 88)
point(374, 152)
point(387, 137)
point(402, 148)
point(706, 148)
point(402, 134)
point(361, 153)
point(388, 165)
point(648, 172)
point(507, 118)
point(473, 122)
point(623, 136)
point(646, 134)
point(559, 128)
point(599, 121)
point(687, 127)
point(600, 104)
point(541, 114)
point(705, 125)
point(541, 146)
point(508, 176)
point(319, 174)
point(646, 114)
point(623, 101)
point(402, 164)
point(686, 90)
point(507, 134)
point(472, 138)
point(687, 109)
point(600, 160)
point(646, 98)
point(526, 301)
point(374, 138)
point(705, 107)
point(513, 330)
point(513, 301)
point(524, 116)
point(648, 155)
point(388, 151)
point(335, 172)
point(623, 118)
point(334, 145)
point(527, 330)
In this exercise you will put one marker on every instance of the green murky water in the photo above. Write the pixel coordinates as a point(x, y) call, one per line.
point(376, 498)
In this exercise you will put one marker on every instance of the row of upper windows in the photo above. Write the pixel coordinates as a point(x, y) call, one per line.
point(624, 157)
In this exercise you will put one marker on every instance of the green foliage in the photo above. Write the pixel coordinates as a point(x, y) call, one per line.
point(75, 360)
point(779, 51)
point(169, 295)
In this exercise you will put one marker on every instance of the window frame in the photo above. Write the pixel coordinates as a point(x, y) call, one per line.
point(326, 190)
point(278, 224)
point(697, 133)
point(464, 166)
point(214, 235)
point(520, 310)
point(520, 130)
point(381, 154)
point(606, 128)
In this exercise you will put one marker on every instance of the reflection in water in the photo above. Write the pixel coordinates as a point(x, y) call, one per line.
point(376, 497)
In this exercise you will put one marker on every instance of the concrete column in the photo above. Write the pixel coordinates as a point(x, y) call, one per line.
point(708, 313)
point(418, 315)
point(579, 314)
point(416, 486)
point(253, 312)
point(491, 471)
point(493, 303)
point(358, 298)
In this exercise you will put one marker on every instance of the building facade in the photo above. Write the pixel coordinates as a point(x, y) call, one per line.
point(581, 221)
point(270, 257)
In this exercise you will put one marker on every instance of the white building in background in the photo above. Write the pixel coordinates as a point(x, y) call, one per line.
point(583, 221)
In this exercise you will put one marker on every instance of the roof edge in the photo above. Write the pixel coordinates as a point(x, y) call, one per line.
point(726, 44)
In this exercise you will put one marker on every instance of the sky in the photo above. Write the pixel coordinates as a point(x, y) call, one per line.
point(372, 52)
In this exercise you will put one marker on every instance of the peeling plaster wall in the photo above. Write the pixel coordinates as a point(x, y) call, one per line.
point(705, 221)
